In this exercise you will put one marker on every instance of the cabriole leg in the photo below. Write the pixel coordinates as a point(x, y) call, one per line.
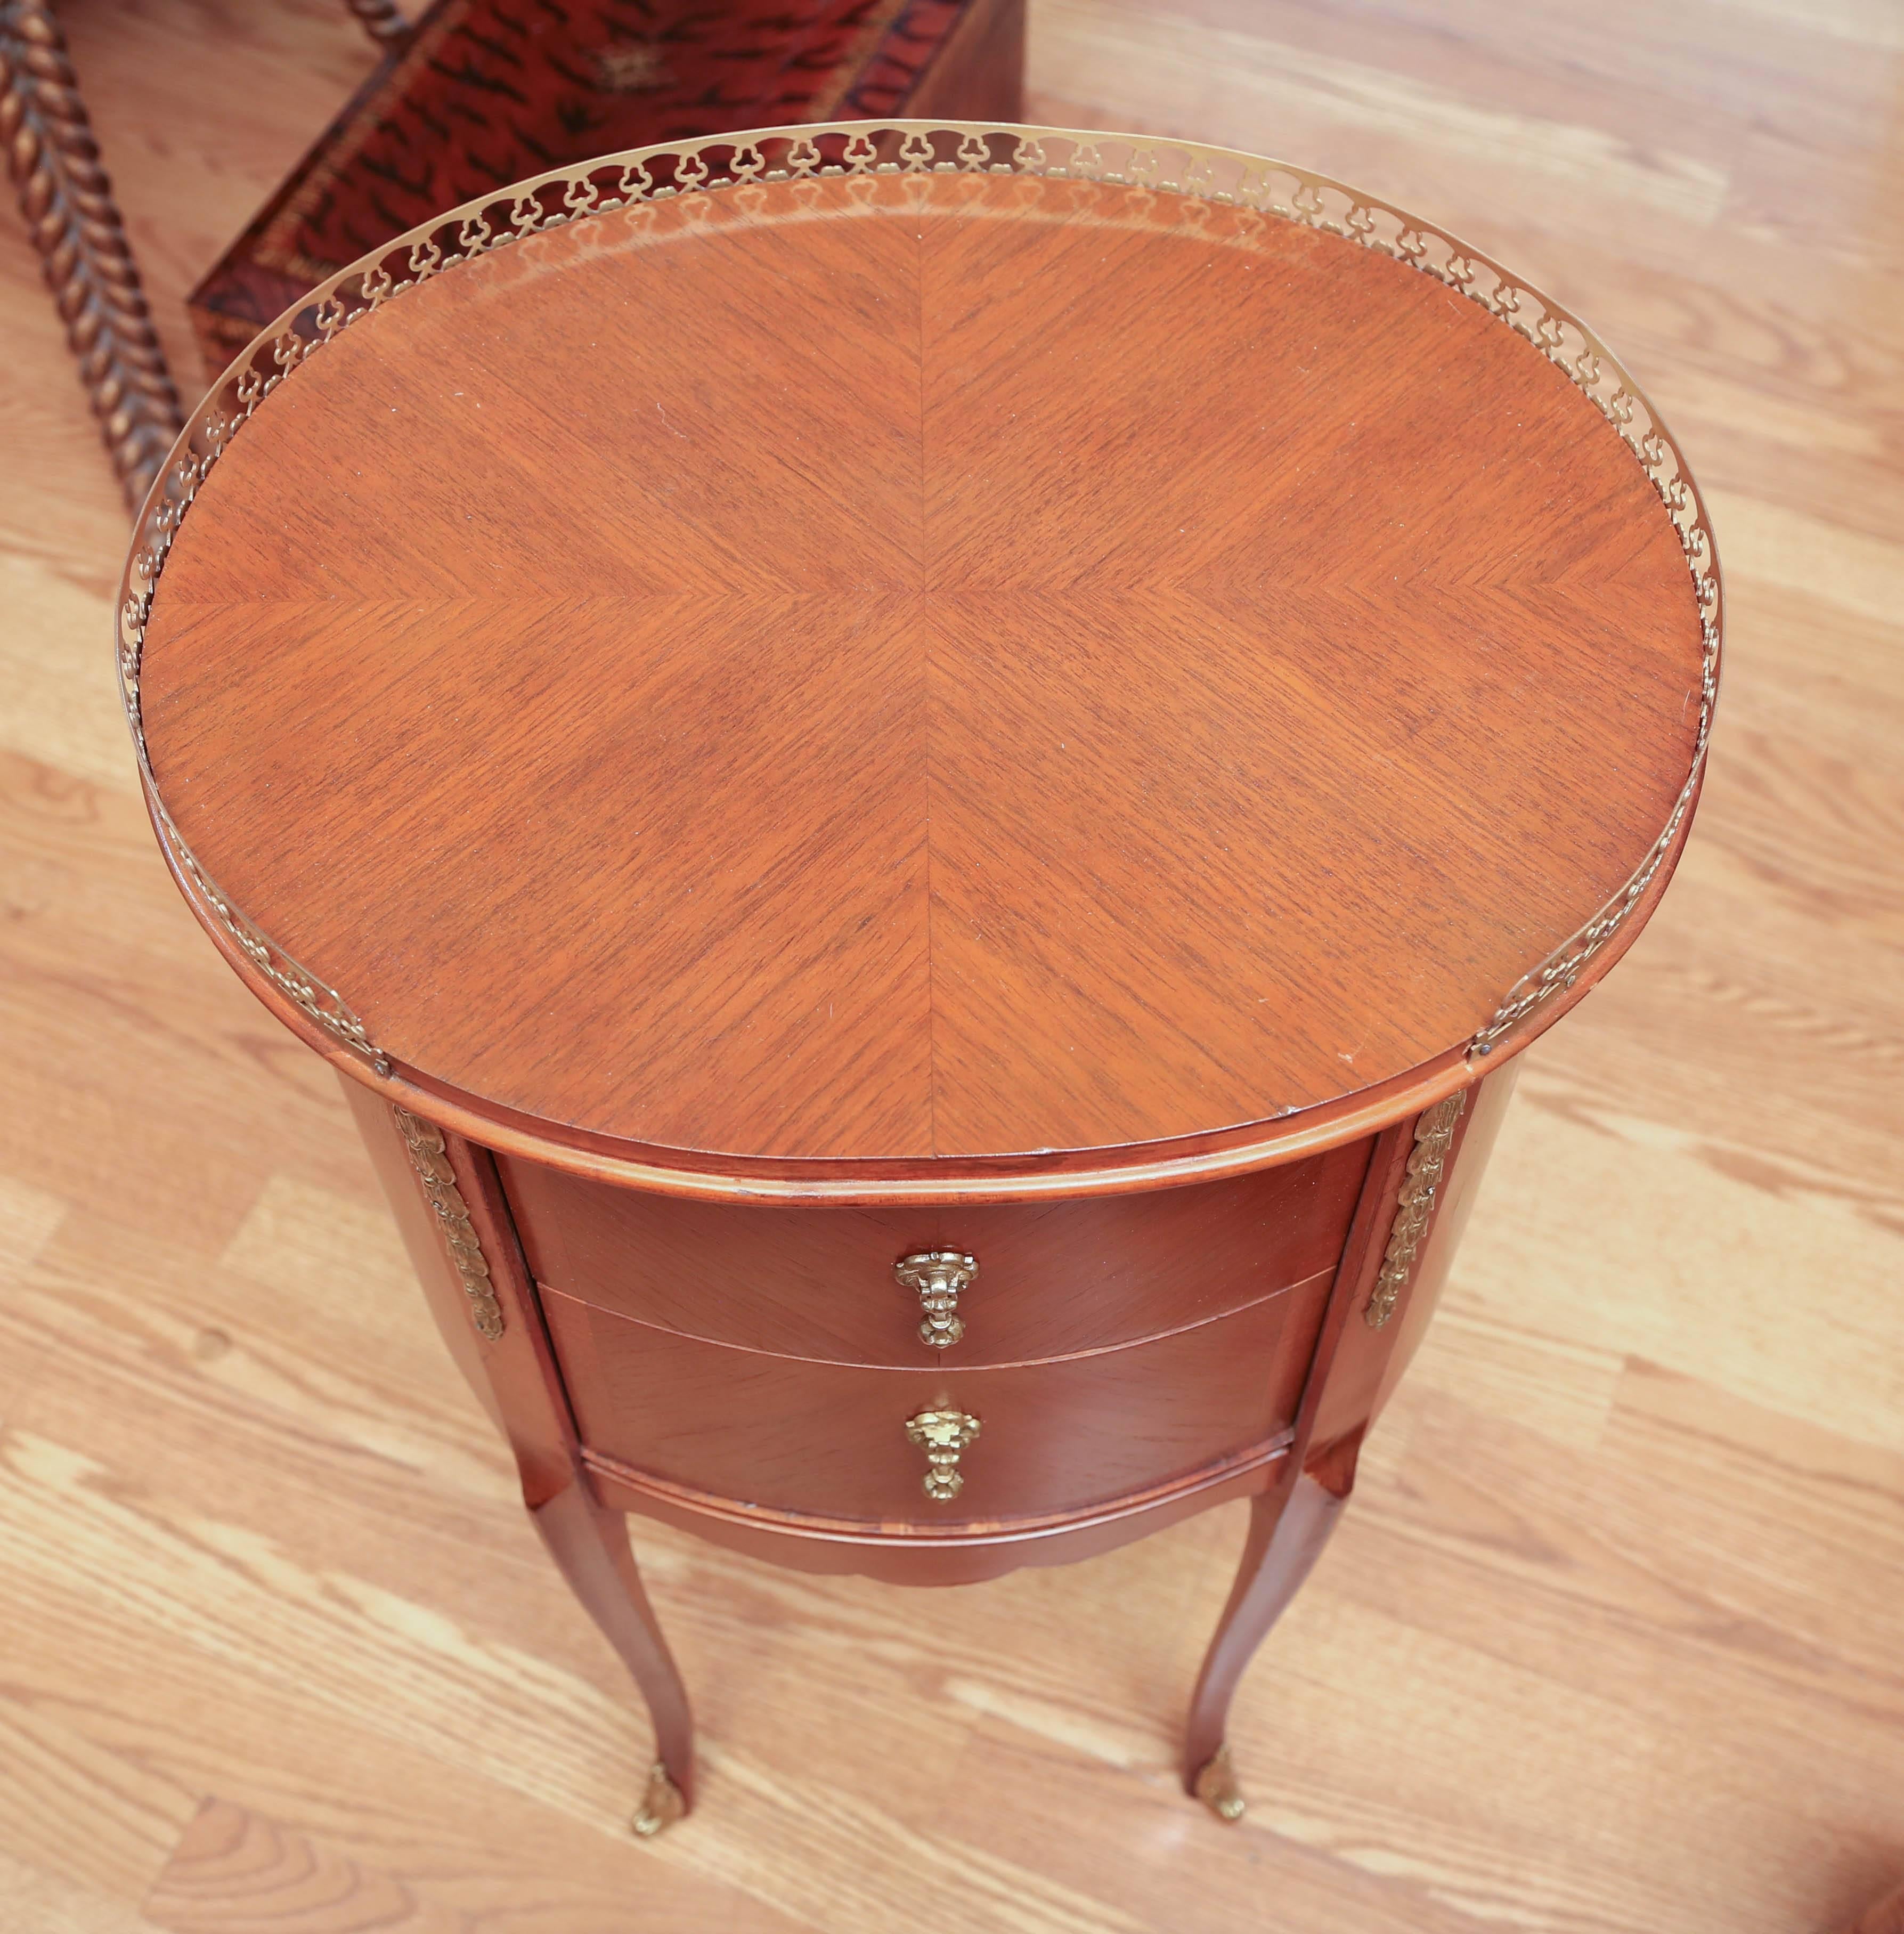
point(590, 1542)
point(449, 1204)
point(1288, 1527)
point(1420, 1184)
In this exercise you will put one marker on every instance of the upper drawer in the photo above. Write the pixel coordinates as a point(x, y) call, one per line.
point(1053, 1278)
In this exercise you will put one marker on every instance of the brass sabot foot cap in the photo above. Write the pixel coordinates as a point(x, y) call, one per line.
point(661, 1806)
point(1216, 1787)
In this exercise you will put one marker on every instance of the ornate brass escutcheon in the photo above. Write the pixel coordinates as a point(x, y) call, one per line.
point(938, 1275)
point(943, 1434)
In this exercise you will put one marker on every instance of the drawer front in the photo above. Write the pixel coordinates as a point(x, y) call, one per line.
point(831, 1441)
point(1053, 1277)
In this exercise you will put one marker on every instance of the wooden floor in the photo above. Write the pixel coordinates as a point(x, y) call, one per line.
point(1613, 1639)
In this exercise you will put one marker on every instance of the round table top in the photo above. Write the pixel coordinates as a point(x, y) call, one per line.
point(907, 674)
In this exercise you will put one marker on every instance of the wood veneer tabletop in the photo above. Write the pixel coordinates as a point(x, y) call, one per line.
point(904, 668)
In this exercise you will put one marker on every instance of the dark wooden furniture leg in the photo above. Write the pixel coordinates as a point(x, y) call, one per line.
point(590, 1542)
point(1290, 1524)
point(1420, 1186)
point(70, 213)
point(1288, 1527)
point(457, 1227)
point(382, 21)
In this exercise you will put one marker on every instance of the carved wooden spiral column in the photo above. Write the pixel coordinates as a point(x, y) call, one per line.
point(70, 213)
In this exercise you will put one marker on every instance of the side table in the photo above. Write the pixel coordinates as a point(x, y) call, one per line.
point(924, 777)
point(480, 90)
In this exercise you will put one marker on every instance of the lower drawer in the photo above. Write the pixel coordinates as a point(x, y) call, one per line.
point(831, 1441)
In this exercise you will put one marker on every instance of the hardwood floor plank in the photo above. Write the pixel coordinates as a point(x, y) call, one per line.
point(102, 969)
point(76, 1813)
point(1748, 1310)
point(1609, 1643)
point(234, 1868)
point(178, 1329)
point(1110, 62)
point(1811, 555)
point(29, 1218)
point(62, 706)
point(1726, 1664)
point(444, 1836)
point(31, 1899)
point(1518, 1372)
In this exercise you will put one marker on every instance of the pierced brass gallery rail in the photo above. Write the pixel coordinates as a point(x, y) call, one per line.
point(424, 1140)
point(1255, 188)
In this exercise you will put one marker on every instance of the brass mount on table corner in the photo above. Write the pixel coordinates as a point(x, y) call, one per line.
point(1434, 1136)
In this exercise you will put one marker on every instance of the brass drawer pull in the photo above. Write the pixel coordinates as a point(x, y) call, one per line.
point(938, 1275)
point(943, 1434)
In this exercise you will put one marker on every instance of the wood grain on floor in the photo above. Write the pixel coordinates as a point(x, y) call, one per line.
point(1613, 1641)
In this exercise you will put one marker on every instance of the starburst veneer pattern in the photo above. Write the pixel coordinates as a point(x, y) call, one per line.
point(933, 665)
